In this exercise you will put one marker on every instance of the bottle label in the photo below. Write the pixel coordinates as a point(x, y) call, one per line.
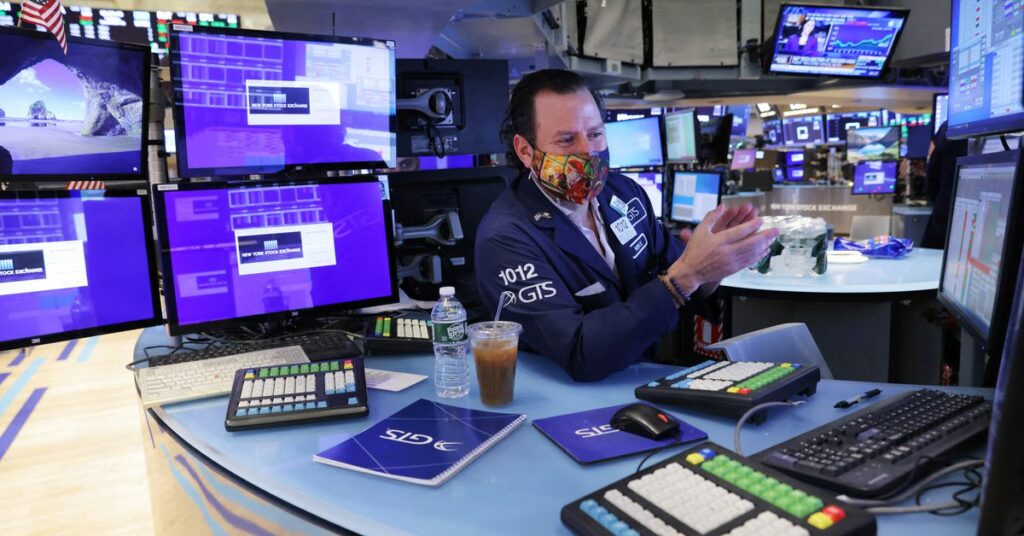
point(446, 332)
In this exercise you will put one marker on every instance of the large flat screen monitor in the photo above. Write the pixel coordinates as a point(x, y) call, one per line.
point(795, 158)
point(634, 143)
point(75, 264)
point(681, 133)
point(874, 177)
point(79, 116)
point(835, 41)
point(694, 194)
point(248, 252)
point(773, 132)
point(940, 110)
point(878, 143)
point(985, 73)
point(983, 245)
point(803, 130)
point(836, 125)
point(918, 140)
point(249, 102)
point(652, 183)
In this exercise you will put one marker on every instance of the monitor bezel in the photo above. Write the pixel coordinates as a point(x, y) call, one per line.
point(147, 64)
point(151, 261)
point(696, 138)
point(888, 59)
point(896, 176)
point(661, 144)
point(160, 208)
point(671, 204)
point(653, 170)
point(273, 172)
point(991, 340)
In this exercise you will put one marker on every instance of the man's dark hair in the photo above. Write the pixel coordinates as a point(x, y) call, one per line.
point(6, 162)
point(520, 115)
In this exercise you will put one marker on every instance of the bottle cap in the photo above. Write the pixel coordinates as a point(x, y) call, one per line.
point(447, 291)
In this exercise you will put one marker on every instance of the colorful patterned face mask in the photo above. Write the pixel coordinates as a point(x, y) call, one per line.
point(574, 177)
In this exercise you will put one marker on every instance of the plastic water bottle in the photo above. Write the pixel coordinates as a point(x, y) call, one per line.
point(451, 370)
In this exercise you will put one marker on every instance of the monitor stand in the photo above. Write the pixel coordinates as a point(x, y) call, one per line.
point(972, 361)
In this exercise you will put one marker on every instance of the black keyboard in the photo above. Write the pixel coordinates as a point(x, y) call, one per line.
point(874, 450)
point(710, 490)
point(317, 346)
point(407, 333)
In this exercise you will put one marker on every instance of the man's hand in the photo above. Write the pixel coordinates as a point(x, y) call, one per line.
point(726, 242)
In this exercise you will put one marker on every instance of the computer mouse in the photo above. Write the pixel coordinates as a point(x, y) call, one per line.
point(644, 420)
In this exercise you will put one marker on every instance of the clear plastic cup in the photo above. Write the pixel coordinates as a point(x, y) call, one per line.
point(495, 346)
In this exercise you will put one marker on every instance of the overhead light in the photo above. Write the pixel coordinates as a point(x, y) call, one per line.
point(764, 107)
point(627, 117)
point(703, 118)
point(797, 106)
point(805, 111)
point(769, 113)
point(837, 106)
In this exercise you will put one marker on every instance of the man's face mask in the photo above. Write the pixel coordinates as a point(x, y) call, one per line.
point(574, 177)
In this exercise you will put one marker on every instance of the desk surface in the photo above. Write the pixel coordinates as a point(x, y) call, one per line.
point(517, 487)
point(916, 272)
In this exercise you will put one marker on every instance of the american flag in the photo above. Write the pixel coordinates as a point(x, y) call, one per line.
point(49, 15)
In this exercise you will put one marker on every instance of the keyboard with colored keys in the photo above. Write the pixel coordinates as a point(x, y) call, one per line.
point(710, 490)
point(266, 396)
point(409, 333)
point(731, 388)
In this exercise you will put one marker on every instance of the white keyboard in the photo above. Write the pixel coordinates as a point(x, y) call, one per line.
point(208, 377)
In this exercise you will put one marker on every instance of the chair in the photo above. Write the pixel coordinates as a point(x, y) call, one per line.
point(790, 343)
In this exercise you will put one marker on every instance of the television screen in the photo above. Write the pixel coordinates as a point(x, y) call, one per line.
point(743, 159)
point(803, 130)
point(251, 102)
point(694, 194)
point(773, 132)
point(779, 175)
point(985, 68)
point(681, 137)
point(836, 125)
point(634, 143)
point(940, 109)
point(795, 174)
point(794, 158)
point(651, 182)
point(740, 115)
point(835, 41)
point(919, 139)
point(874, 177)
point(881, 143)
point(75, 116)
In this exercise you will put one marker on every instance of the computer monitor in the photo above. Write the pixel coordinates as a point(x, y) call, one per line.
point(795, 174)
point(694, 194)
point(248, 252)
point(740, 118)
point(743, 159)
point(803, 130)
point(634, 143)
point(75, 264)
point(876, 143)
point(773, 132)
point(836, 125)
point(983, 245)
point(756, 181)
point(250, 102)
point(940, 109)
point(779, 175)
point(652, 183)
point(835, 41)
point(795, 158)
point(681, 136)
point(715, 134)
point(919, 139)
point(985, 74)
point(874, 177)
point(83, 115)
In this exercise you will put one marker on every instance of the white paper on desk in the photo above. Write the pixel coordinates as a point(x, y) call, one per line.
point(387, 380)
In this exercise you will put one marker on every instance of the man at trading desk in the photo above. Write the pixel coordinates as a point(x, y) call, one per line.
point(594, 279)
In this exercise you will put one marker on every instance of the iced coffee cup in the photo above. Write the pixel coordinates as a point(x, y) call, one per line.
point(494, 346)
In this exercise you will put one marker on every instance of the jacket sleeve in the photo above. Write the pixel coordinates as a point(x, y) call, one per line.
point(669, 248)
point(588, 346)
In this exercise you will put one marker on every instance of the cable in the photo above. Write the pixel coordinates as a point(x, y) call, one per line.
point(1006, 145)
point(750, 412)
point(881, 510)
point(640, 466)
point(910, 492)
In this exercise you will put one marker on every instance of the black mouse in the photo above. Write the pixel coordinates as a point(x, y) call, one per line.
point(644, 420)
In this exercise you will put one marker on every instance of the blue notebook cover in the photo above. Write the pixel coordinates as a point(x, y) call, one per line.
point(424, 443)
point(588, 438)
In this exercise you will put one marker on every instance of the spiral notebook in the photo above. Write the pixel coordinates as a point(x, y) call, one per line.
point(424, 443)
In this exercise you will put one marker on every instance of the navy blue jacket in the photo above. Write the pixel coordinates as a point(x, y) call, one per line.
point(572, 306)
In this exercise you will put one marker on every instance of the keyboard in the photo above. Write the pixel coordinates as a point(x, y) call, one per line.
point(192, 380)
point(410, 333)
point(267, 396)
point(711, 490)
point(874, 450)
point(731, 388)
point(317, 347)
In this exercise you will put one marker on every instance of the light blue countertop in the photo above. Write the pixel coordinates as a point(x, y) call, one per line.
point(517, 487)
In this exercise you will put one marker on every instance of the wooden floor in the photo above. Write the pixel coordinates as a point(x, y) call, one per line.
point(71, 440)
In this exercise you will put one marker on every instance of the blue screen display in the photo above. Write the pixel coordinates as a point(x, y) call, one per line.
point(835, 41)
point(634, 143)
point(773, 132)
point(940, 109)
point(836, 125)
point(803, 130)
point(694, 194)
point(986, 67)
point(874, 177)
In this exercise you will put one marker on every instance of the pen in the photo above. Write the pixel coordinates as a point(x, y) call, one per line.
point(851, 401)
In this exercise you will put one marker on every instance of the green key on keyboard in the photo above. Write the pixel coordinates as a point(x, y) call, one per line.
point(781, 495)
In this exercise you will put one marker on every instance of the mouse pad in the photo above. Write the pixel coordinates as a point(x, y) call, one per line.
point(588, 438)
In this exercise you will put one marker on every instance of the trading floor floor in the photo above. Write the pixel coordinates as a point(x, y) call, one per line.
point(71, 440)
